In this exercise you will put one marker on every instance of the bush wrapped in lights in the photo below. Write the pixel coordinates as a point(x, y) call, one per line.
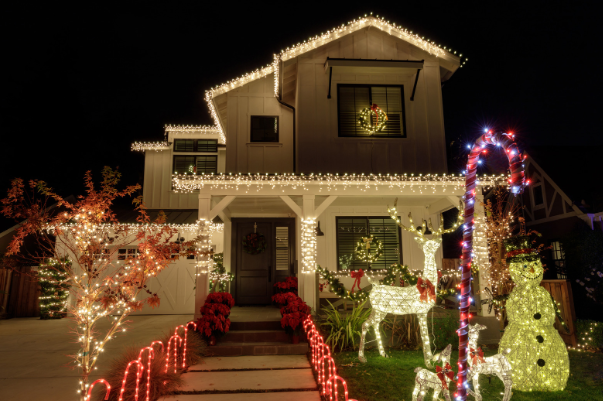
point(538, 355)
point(54, 288)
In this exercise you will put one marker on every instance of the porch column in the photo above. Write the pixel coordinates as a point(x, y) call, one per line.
point(308, 251)
point(202, 279)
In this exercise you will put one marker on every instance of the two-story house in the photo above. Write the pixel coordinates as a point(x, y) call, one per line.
point(289, 158)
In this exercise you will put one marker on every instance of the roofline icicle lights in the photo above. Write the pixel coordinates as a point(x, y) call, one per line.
point(144, 146)
point(186, 183)
point(516, 182)
point(320, 40)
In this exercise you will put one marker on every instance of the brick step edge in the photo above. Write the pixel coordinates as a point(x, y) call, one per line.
point(255, 337)
point(270, 325)
point(238, 349)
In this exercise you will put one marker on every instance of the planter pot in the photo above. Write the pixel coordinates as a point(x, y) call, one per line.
point(212, 341)
point(294, 339)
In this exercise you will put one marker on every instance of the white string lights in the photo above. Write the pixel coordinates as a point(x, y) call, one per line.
point(439, 381)
point(308, 245)
point(428, 183)
point(195, 130)
point(155, 146)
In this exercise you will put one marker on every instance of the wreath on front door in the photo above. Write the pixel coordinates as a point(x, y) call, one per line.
point(254, 243)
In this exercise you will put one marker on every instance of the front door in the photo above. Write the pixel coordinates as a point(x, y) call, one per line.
point(256, 273)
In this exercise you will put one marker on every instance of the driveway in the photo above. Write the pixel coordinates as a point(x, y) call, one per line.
point(33, 354)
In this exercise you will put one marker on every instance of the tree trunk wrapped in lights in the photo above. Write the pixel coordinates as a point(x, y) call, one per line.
point(54, 288)
point(104, 282)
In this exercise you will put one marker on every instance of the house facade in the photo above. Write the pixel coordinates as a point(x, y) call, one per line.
point(309, 152)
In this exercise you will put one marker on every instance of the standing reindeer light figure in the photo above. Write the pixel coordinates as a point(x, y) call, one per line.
point(438, 381)
point(417, 299)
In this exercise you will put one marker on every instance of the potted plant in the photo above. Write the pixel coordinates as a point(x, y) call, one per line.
point(283, 290)
point(214, 321)
point(293, 314)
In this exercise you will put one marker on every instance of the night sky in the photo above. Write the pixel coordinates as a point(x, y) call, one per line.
point(82, 83)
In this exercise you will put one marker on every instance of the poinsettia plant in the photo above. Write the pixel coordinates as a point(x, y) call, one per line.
point(293, 314)
point(289, 286)
point(283, 298)
point(214, 321)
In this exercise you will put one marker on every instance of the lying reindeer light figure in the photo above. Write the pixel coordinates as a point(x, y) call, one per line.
point(438, 381)
point(493, 365)
point(417, 299)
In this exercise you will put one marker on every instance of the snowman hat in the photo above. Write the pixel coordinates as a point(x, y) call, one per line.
point(518, 249)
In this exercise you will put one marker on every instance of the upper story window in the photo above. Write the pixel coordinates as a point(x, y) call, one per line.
point(195, 164)
point(264, 129)
point(350, 231)
point(352, 99)
point(196, 145)
point(537, 194)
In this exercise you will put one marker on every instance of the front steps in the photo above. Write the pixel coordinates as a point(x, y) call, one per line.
point(256, 338)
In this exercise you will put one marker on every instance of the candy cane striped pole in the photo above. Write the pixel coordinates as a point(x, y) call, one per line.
point(516, 183)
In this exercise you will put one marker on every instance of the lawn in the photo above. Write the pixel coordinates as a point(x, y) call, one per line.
point(393, 378)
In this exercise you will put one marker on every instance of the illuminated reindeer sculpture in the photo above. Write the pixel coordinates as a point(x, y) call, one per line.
point(417, 299)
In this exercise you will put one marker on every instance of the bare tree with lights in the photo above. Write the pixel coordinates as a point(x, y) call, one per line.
point(104, 282)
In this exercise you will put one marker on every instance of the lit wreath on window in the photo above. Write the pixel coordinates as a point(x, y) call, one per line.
point(366, 119)
point(363, 249)
point(254, 243)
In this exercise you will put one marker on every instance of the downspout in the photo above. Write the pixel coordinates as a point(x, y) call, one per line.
point(280, 95)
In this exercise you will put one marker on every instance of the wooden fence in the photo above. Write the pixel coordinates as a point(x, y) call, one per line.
point(561, 291)
point(19, 293)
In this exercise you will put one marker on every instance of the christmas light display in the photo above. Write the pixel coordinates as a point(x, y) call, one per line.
point(419, 184)
point(308, 245)
point(153, 146)
point(103, 381)
point(363, 250)
point(150, 356)
point(320, 354)
point(586, 342)
point(516, 183)
point(177, 341)
point(366, 119)
point(438, 381)
point(54, 288)
point(139, 370)
point(538, 354)
point(493, 365)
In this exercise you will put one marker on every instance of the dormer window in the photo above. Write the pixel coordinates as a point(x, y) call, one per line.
point(352, 100)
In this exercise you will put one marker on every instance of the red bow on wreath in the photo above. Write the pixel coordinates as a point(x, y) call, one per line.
point(477, 355)
point(357, 275)
point(426, 289)
point(443, 372)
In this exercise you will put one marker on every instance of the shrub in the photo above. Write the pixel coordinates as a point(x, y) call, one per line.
point(343, 330)
point(214, 320)
point(589, 334)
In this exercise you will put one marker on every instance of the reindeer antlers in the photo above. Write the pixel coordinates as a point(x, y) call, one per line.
point(420, 230)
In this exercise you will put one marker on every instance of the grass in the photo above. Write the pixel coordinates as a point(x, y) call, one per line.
point(393, 378)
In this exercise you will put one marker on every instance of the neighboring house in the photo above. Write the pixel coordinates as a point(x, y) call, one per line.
point(287, 153)
point(551, 212)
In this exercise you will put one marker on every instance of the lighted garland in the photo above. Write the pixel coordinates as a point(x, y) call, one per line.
point(254, 243)
point(409, 278)
point(365, 119)
point(363, 248)
point(54, 289)
point(337, 288)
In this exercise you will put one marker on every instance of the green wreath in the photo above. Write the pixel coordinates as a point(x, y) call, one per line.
point(364, 255)
point(254, 243)
point(366, 119)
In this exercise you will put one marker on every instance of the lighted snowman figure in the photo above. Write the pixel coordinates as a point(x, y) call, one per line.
point(538, 355)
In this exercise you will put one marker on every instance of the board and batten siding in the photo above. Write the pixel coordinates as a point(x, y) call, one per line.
point(424, 148)
point(256, 99)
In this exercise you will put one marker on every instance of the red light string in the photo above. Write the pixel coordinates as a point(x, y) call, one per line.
point(139, 371)
point(150, 357)
point(176, 340)
point(185, 340)
point(516, 183)
point(103, 381)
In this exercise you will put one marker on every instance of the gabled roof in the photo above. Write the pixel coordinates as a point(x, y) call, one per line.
point(320, 40)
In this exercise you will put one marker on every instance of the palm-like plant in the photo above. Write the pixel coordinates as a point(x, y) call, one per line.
point(344, 330)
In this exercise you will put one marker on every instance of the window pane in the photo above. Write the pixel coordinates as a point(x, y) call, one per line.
point(352, 99)
point(385, 230)
point(264, 129)
point(183, 145)
point(207, 145)
point(184, 164)
point(207, 164)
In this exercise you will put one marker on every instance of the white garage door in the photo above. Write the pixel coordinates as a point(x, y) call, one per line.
point(175, 288)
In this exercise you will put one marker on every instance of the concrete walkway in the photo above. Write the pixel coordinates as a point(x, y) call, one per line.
point(33, 354)
point(274, 377)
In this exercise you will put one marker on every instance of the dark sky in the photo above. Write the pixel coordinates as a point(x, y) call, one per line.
point(81, 83)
